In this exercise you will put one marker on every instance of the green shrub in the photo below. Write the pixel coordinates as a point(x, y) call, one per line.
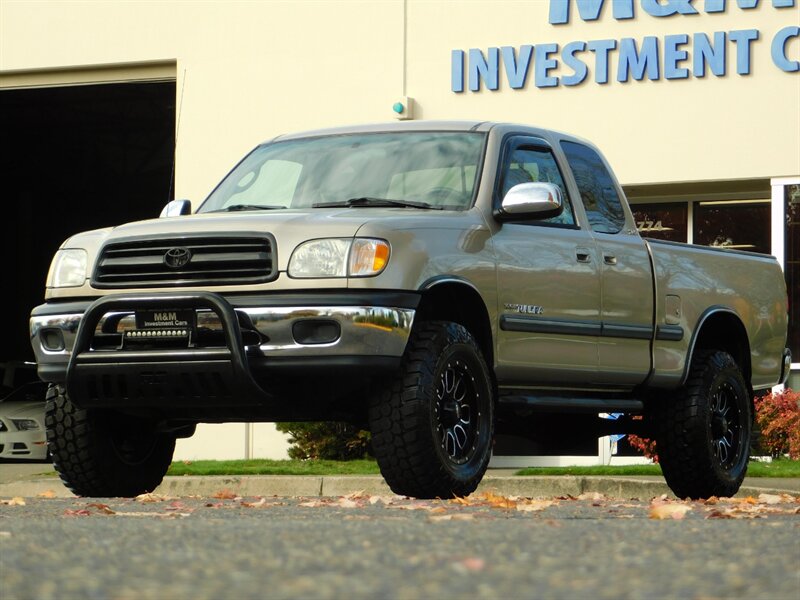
point(326, 440)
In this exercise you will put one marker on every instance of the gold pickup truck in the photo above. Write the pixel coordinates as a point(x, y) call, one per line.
point(438, 281)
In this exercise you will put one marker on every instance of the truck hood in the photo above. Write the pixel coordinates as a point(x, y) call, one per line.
point(290, 227)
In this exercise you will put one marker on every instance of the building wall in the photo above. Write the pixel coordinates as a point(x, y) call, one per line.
point(247, 71)
point(250, 70)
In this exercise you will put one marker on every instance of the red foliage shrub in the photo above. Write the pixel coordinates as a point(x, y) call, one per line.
point(644, 445)
point(778, 417)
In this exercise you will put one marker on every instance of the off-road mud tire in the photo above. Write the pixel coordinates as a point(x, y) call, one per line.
point(101, 453)
point(703, 447)
point(433, 426)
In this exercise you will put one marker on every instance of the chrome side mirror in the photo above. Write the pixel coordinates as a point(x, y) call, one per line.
point(530, 201)
point(177, 208)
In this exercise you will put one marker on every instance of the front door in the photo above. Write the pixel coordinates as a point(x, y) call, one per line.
point(548, 281)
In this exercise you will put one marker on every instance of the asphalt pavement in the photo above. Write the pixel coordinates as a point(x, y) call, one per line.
point(364, 546)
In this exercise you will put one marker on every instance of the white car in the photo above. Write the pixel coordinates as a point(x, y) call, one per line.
point(22, 433)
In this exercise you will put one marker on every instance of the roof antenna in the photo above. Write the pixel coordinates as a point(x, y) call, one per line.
point(170, 193)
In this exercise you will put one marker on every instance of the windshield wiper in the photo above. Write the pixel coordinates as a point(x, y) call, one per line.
point(376, 202)
point(237, 207)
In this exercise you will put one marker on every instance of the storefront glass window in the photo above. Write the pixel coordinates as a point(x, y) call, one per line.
point(662, 221)
point(736, 225)
point(792, 265)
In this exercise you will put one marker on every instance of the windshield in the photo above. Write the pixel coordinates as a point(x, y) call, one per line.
point(422, 169)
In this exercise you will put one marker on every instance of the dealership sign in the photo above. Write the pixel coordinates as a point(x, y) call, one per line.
point(650, 57)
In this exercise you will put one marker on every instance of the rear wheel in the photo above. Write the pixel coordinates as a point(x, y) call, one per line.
point(703, 439)
point(104, 454)
point(432, 427)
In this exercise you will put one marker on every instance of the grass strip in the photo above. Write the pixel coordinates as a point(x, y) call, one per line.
point(776, 468)
point(274, 467)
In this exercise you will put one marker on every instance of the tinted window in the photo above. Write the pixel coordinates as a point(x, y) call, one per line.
point(526, 165)
point(598, 192)
point(734, 225)
point(662, 221)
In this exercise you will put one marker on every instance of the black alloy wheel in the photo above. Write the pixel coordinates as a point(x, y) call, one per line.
point(433, 426)
point(703, 433)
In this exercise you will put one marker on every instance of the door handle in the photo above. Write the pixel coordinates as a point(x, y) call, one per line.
point(609, 260)
point(583, 255)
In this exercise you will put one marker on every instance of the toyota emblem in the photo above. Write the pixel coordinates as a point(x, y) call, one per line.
point(175, 258)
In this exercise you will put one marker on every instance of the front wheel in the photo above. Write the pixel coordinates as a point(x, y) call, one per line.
point(104, 454)
point(432, 428)
point(703, 438)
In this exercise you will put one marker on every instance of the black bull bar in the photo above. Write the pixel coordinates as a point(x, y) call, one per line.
point(214, 376)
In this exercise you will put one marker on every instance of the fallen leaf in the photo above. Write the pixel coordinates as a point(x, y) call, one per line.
point(411, 507)
point(770, 499)
point(256, 504)
point(747, 500)
point(314, 503)
point(150, 497)
point(735, 513)
point(471, 564)
point(155, 515)
point(15, 501)
point(102, 508)
point(668, 510)
point(77, 513)
point(534, 505)
point(452, 517)
point(711, 501)
point(464, 501)
point(359, 495)
point(497, 501)
point(46, 494)
point(594, 496)
point(225, 494)
point(345, 502)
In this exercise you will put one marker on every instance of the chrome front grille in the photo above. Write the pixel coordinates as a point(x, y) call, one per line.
point(184, 261)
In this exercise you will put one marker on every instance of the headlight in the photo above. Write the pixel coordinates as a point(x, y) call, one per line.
point(25, 424)
point(339, 257)
point(68, 268)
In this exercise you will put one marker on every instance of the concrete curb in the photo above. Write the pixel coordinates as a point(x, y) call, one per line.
point(340, 485)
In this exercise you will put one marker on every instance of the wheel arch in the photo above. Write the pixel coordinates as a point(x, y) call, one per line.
point(458, 300)
point(720, 328)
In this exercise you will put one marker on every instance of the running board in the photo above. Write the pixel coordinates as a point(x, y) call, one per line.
point(555, 403)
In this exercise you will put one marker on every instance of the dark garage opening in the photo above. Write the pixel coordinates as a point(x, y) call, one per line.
point(75, 158)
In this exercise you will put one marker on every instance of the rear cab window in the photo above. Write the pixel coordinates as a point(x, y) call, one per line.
point(598, 191)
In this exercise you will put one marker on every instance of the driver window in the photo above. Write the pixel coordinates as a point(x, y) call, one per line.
point(526, 165)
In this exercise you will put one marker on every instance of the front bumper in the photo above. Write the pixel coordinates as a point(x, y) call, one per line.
point(254, 334)
point(15, 444)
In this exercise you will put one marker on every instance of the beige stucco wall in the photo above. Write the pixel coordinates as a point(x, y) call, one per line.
point(249, 70)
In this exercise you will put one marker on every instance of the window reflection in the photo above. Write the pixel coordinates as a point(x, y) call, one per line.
point(737, 225)
point(662, 221)
point(792, 265)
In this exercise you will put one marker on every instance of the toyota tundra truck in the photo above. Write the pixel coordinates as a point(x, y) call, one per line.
point(436, 282)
